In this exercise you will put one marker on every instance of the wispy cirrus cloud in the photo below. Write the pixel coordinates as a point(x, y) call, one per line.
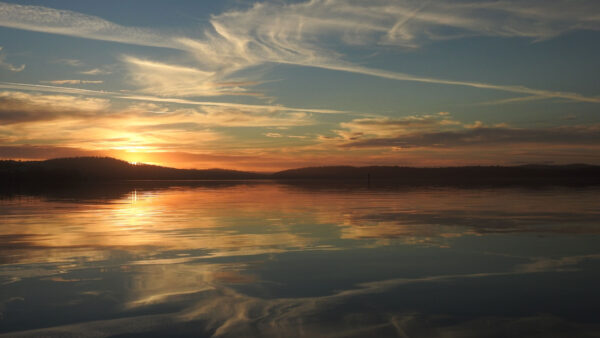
point(44, 152)
point(385, 126)
point(404, 23)
point(304, 33)
point(300, 33)
point(149, 98)
point(19, 107)
point(517, 89)
point(64, 22)
point(479, 135)
point(62, 82)
point(95, 71)
point(162, 79)
point(76, 63)
point(70, 62)
point(27, 122)
point(6, 65)
point(96, 124)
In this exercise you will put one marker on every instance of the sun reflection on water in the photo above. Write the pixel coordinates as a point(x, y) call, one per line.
point(215, 249)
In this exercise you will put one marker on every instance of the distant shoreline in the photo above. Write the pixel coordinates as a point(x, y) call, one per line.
point(68, 171)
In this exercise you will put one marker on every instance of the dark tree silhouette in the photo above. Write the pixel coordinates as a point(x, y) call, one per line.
point(97, 169)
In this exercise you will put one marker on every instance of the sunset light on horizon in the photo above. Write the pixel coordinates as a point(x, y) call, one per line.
point(273, 85)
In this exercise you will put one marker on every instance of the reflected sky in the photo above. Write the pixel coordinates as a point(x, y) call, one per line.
point(267, 259)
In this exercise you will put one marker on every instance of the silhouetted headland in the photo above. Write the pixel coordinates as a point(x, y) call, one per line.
point(100, 169)
point(106, 168)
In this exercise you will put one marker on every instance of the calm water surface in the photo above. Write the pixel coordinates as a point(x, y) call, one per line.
point(268, 259)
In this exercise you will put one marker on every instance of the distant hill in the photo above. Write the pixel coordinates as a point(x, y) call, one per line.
point(79, 169)
point(106, 168)
point(526, 174)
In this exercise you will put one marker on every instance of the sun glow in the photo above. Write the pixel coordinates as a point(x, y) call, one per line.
point(132, 149)
point(131, 155)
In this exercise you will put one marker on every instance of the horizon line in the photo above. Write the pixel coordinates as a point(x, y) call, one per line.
point(139, 163)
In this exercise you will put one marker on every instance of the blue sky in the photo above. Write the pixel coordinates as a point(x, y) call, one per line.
point(272, 85)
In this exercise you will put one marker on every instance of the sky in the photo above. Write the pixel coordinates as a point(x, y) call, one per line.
point(271, 85)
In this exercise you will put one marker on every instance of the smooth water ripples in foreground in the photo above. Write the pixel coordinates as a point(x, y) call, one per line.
point(268, 259)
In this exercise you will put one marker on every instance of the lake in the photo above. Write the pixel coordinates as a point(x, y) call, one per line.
point(231, 259)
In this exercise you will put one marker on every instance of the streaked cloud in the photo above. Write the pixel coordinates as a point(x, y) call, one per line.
point(64, 22)
point(95, 71)
point(403, 23)
point(156, 99)
point(386, 126)
point(51, 89)
point(40, 152)
point(6, 65)
point(245, 118)
point(478, 135)
point(19, 107)
point(254, 107)
point(62, 82)
point(256, 137)
point(173, 80)
point(94, 124)
point(301, 33)
point(546, 94)
point(71, 62)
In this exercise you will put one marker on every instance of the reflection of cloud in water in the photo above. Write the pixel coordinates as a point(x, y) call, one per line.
point(259, 216)
point(412, 325)
point(151, 226)
point(152, 284)
point(435, 228)
point(554, 264)
point(173, 243)
point(171, 220)
point(212, 309)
